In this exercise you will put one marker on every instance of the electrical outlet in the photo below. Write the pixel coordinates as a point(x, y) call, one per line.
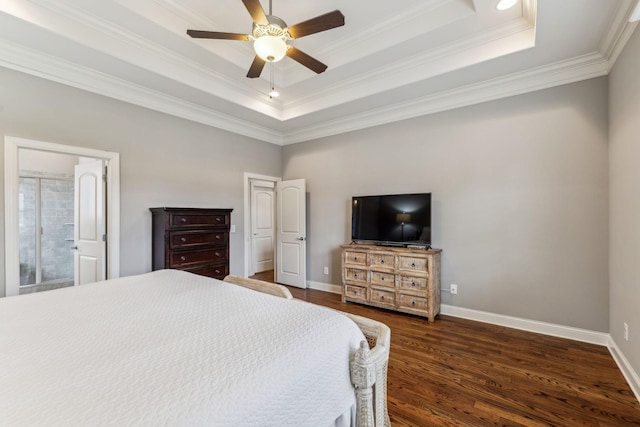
point(453, 289)
point(326, 270)
point(626, 331)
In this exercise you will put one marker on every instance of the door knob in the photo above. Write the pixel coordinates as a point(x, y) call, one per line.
point(74, 248)
point(300, 238)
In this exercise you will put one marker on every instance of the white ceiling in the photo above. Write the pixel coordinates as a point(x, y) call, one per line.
point(392, 60)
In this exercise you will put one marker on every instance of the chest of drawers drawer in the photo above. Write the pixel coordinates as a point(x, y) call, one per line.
point(356, 274)
point(198, 220)
point(412, 263)
point(185, 258)
point(383, 279)
point(414, 283)
point(193, 239)
point(356, 258)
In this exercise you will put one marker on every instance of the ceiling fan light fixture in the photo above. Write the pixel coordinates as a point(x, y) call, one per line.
point(270, 48)
point(506, 4)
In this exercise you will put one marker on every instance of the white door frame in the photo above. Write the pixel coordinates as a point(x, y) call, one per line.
point(12, 145)
point(248, 177)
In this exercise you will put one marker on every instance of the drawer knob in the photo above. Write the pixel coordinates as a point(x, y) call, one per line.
point(382, 262)
point(183, 239)
point(382, 298)
point(217, 254)
point(183, 258)
point(183, 220)
point(413, 264)
point(413, 283)
point(217, 271)
point(413, 303)
point(218, 236)
point(218, 219)
point(382, 278)
point(355, 258)
point(355, 276)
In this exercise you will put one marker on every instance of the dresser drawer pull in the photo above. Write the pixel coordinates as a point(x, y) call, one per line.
point(218, 219)
point(413, 284)
point(183, 220)
point(355, 258)
point(216, 253)
point(217, 271)
point(413, 264)
point(382, 298)
point(183, 258)
point(218, 236)
point(183, 239)
point(413, 303)
point(355, 275)
point(382, 278)
point(381, 261)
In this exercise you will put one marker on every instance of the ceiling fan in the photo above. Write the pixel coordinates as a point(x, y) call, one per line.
point(270, 35)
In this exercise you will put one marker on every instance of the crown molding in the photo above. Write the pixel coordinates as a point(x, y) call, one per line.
point(156, 58)
point(417, 67)
point(619, 33)
point(560, 73)
point(36, 63)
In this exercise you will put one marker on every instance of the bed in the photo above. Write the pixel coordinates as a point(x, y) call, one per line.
point(173, 348)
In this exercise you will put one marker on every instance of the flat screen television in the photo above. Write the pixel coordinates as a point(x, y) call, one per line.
point(396, 220)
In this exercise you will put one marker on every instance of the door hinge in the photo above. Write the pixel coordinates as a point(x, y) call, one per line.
point(104, 177)
point(104, 237)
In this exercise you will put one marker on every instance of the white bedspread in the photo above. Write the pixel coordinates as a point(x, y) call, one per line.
point(171, 348)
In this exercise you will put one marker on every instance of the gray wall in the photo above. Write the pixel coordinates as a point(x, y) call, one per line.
point(519, 192)
point(165, 161)
point(624, 140)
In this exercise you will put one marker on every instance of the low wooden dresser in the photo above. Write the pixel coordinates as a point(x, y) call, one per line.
point(400, 279)
point(191, 239)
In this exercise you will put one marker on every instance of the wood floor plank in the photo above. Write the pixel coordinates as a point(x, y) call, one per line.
point(458, 372)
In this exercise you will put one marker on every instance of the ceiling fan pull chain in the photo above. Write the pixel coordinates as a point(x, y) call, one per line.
point(270, 11)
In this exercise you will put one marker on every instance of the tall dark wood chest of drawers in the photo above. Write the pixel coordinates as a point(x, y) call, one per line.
point(191, 239)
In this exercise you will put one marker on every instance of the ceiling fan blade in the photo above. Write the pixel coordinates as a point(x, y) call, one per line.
point(256, 67)
point(315, 25)
point(306, 60)
point(197, 34)
point(256, 11)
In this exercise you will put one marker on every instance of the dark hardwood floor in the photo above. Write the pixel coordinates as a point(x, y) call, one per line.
point(457, 372)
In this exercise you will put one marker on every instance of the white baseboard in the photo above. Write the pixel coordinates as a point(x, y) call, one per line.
point(627, 370)
point(584, 335)
point(568, 332)
point(327, 287)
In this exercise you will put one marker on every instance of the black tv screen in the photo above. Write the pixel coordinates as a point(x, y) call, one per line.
point(394, 219)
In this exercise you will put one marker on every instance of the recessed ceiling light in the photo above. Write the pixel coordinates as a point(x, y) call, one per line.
point(506, 4)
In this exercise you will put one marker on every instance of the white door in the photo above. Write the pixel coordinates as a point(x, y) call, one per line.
point(262, 226)
point(89, 223)
point(291, 240)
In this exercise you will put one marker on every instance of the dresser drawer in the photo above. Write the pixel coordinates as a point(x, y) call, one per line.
point(193, 220)
point(355, 292)
point(215, 271)
point(186, 258)
point(417, 283)
point(381, 260)
point(382, 297)
point(355, 274)
point(191, 239)
point(359, 258)
point(413, 302)
point(412, 263)
point(383, 279)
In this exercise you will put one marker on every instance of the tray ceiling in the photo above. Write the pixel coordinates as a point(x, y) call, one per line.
point(391, 61)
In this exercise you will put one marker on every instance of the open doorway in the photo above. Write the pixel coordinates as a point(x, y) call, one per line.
point(46, 220)
point(41, 215)
point(275, 229)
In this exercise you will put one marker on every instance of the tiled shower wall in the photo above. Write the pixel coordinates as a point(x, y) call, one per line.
point(57, 229)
